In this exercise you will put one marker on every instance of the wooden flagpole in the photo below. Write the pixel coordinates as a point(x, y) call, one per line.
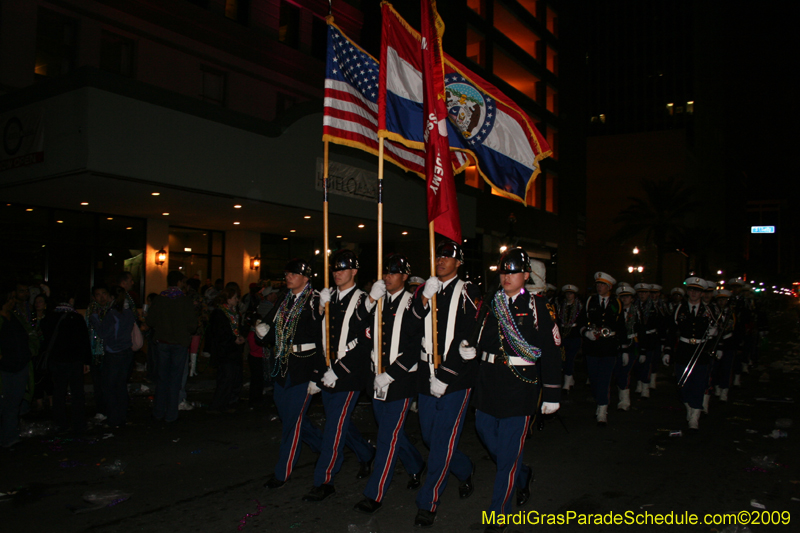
point(325, 254)
point(379, 310)
point(437, 359)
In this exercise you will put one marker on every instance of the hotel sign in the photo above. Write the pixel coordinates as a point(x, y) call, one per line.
point(348, 181)
point(23, 139)
point(762, 229)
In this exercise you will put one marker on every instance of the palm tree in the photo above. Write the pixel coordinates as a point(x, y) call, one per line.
point(659, 216)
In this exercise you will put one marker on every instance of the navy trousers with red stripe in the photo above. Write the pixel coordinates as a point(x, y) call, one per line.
point(339, 430)
point(292, 403)
point(441, 421)
point(505, 440)
point(393, 444)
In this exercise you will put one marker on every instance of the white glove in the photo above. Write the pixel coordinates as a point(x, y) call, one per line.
point(625, 359)
point(719, 354)
point(438, 388)
point(642, 359)
point(665, 359)
point(432, 286)
point(329, 379)
point(313, 389)
point(590, 335)
point(466, 351)
point(262, 329)
point(378, 290)
point(549, 407)
point(324, 297)
point(382, 381)
point(713, 331)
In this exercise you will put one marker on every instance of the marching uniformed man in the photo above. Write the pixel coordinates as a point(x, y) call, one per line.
point(649, 337)
point(444, 392)
point(622, 370)
point(664, 316)
point(676, 296)
point(692, 331)
point(603, 328)
point(726, 348)
point(295, 334)
point(341, 382)
point(519, 360)
point(395, 384)
point(569, 312)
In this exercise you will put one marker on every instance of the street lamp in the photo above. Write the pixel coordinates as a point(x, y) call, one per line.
point(635, 249)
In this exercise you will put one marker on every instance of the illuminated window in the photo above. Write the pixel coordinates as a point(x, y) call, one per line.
point(56, 38)
point(476, 47)
point(552, 100)
point(670, 108)
point(472, 177)
point(551, 21)
point(515, 30)
point(513, 73)
point(237, 10)
point(478, 6)
point(289, 25)
point(552, 140)
point(534, 196)
point(551, 193)
point(690, 107)
point(552, 61)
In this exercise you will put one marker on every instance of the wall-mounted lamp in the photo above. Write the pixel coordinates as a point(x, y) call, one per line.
point(161, 257)
point(255, 262)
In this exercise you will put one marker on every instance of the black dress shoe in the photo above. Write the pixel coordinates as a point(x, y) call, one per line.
point(524, 492)
point(415, 480)
point(365, 468)
point(274, 483)
point(318, 494)
point(367, 506)
point(425, 518)
point(467, 487)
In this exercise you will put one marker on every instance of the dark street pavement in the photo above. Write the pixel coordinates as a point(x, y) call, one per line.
point(206, 474)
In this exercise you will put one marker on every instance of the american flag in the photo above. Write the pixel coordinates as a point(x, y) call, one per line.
point(351, 104)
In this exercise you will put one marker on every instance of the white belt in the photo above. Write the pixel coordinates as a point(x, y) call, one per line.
point(297, 348)
point(632, 336)
point(350, 345)
point(604, 332)
point(516, 361)
point(692, 341)
point(650, 331)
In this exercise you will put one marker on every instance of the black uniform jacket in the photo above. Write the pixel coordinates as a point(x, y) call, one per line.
point(408, 346)
point(354, 368)
point(688, 326)
point(457, 373)
point(596, 317)
point(300, 366)
point(651, 326)
point(502, 393)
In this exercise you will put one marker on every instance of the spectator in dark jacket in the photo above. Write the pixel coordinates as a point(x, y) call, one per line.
point(174, 319)
point(225, 342)
point(69, 352)
point(116, 330)
point(15, 356)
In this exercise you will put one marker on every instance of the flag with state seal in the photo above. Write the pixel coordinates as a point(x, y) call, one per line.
point(483, 122)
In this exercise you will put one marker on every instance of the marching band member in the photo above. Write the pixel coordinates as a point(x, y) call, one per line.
point(622, 369)
point(569, 312)
point(602, 326)
point(519, 360)
point(396, 385)
point(649, 337)
point(444, 392)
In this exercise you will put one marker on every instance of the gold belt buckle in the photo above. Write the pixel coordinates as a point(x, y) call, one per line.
point(692, 341)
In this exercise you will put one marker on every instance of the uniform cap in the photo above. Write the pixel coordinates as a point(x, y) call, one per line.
point(569, 288)
point(723, 293)
point(625, 289)
point(655, 287)
point(677, 290)
point(450, 249)
point(602, 277)
point(695, 283)
point(643, 287)
point(735, 281)
point(551, 287)
point(344, 260)
point(397, 264)
point(513, 261)
point(298, 266)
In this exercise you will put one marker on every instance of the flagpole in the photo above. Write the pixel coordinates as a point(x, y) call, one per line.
point(436, 357)
point(325, 255)
point(379, 310)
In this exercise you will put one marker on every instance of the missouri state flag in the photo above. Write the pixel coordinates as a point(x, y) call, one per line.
point(485, 123)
